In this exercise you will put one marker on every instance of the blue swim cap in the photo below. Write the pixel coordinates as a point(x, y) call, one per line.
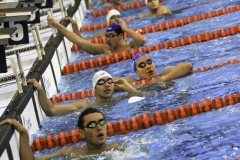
point(135, 58)
point(113, 27)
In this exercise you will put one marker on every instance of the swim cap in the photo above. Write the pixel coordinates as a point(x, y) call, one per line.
point(111, 13)
point(135, 58)
point(98, 75)
point(113, 27)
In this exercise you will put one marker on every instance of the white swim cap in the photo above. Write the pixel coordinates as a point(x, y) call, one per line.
point(98, 75)
point(111, 13)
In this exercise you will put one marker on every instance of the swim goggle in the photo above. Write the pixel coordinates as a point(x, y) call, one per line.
point(115, 16)
point(110, 35)
point(143, 64)
point(102, 81)
point(93, 124)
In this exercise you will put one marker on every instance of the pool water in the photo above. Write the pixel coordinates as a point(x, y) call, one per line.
point(209, 135)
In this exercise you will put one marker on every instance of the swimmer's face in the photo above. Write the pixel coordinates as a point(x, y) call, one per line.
point(153, 4)
point(113, 39)
point(118, 2)
point(145, 68)
point(114, 18)
point(104, 88)
point(95, 137)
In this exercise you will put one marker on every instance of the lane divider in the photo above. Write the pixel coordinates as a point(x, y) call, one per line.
point(105, 24)
point(90, 93)
point(142, 121)
point(131, 5)
point(72, 96)
point(166, 25)
point(120, 56)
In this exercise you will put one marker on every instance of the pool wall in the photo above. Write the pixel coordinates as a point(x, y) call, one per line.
point(25, 107)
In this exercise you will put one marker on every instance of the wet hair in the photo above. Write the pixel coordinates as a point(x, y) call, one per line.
point(84, 113)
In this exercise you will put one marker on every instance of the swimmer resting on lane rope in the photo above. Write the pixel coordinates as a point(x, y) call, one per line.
point(144, 66)
point(103, 85)
point(92, 127)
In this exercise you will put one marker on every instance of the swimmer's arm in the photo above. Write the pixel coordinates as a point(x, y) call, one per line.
point(74, 25)
point(58, 153)
point(76, 30)
point(177, 71)
point(141, 15)
point(47, 106)
point(25, 149)
point(88, 4)
point(82, 43)
point(45, 103)
point(138, 39)
point(59, 110)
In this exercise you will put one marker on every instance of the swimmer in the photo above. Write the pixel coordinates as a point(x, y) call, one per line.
point(155, 8)
point(92, 127)
point(114, 35)
point(112, 16)
point(116, 3)
point(103, 86)
point(144, 66)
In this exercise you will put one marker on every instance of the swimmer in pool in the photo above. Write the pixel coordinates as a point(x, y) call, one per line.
point(144, 67)
point(116, 3)
point(112, 16)
point(114, 35)
point(103, 85)
point(92, 127)
point(155, 8)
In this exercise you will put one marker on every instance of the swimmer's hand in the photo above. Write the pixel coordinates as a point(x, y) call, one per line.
point(121, 84)
point(124, 85)
point(51, 21)
point(25, 149)
point(37, 86)
point(122, 24)
point(68, 19)
point(15, 124)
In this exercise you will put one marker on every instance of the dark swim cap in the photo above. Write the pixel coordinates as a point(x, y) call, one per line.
point(135, 58)
point(112, 27)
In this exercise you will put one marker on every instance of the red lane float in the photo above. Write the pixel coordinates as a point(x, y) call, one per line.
point(142, 121)
point(117, 57)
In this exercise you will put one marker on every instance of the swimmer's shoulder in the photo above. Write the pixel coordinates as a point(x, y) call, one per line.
point(162, 9)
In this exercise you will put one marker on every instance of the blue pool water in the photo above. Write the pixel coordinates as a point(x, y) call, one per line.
point(210, 135)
